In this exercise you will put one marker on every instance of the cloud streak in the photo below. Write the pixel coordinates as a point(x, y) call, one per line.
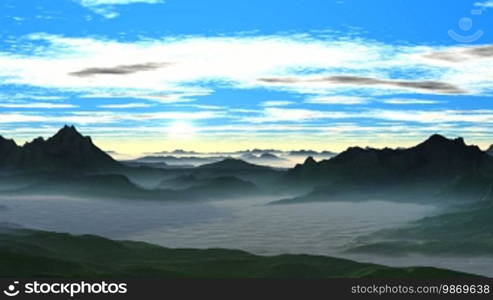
point(119, 70)
point(425, 86)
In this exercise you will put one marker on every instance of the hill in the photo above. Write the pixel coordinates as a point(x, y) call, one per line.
point(233, 165)
point(467, 231)
point(27, 253)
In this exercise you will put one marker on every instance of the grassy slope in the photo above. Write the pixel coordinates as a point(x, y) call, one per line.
point(468, 232)
point(26, 253)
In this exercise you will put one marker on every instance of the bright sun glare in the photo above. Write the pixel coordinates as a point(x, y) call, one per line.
point(180, 130)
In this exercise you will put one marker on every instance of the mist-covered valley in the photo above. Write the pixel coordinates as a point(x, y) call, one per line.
point(427, 205)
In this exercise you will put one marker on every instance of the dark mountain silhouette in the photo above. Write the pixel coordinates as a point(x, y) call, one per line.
point(438, 165)
point(435, 158)
point(66, 150)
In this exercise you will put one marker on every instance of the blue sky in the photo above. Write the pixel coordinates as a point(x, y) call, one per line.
point(149, 75)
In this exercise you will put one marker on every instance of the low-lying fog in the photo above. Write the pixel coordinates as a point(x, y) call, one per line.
point(248, 224)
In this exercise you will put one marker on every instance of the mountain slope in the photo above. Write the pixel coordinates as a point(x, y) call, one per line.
point(438, 166)
point(467, 231)
point(490, 151)
point(232, 164)
point(66, 150)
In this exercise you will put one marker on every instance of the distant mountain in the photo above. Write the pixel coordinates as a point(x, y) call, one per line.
point(249, 156)
point(328, 153)
point(83, 186)
point(111, 186)
point(177, 152)
point(438, 165)
point(181, 182)
point(178, 160)
point(264, 157)
point(232, 164)
point(259, 151)
point(66, 150)
point(303, 153)
point(306, 153)
point(222, 187)
point(269, 156)
point(262, 176)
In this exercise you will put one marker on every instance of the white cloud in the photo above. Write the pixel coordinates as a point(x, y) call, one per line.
point(125, 105)
point(106, 7)
point(436, 117)
point(272, 115)
point(344, 100)
point(20, 118)
point(37, 105)
point(116, 2)
point(276, 103)
point(410, 101)
point(174, 69)
point(484, 4)
point(108, 117)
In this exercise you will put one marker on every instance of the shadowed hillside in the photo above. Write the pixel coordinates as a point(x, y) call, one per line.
point(25, 253)
point(66, 150)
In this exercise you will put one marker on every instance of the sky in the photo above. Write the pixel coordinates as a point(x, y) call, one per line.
point(221, 75)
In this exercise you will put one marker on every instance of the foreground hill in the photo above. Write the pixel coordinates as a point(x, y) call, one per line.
point(66, 150)
point(26, 253)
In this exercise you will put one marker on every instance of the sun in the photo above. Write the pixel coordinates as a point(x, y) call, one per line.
point(181, 130)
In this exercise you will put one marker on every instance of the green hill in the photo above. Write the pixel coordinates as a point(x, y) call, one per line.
point(26, 253)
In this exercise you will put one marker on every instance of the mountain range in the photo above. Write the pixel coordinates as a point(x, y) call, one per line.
point(437, 165)
point(438, 170)
point(67, 150)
